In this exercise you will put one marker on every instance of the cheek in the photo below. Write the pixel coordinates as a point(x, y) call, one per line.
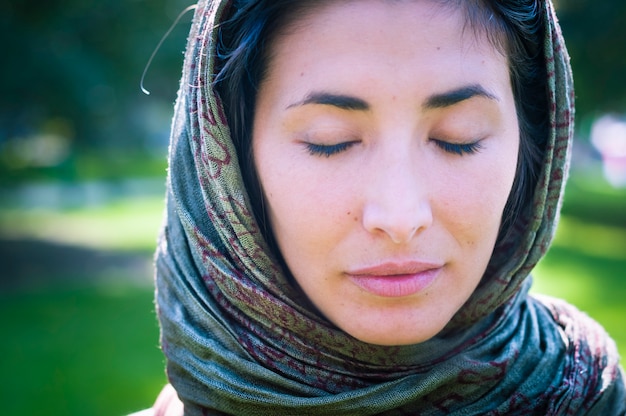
point(475, 200)
point(304, 209)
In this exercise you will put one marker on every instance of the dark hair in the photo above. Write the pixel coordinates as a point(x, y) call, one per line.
point(522, 25)
point(515, 27)
point(243, 58)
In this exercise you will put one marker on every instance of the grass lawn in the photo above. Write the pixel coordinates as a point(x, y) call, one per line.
point(80, 331)
point(82, 351)
point(77, 347)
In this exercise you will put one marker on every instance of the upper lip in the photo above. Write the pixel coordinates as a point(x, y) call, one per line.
point(395, 268)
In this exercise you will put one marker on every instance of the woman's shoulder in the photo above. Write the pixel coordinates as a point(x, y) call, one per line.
point(146, 412)
point(166, 404)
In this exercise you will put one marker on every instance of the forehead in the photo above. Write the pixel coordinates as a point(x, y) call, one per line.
point(344, 43)
point(477, 16)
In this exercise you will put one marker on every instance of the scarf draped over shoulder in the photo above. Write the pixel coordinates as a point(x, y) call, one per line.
point(240, 339)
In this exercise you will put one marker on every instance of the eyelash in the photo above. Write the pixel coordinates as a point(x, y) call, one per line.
point(328, 150)
point(459, 149)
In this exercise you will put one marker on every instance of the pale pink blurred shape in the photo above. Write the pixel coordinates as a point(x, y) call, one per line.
point(608, 135)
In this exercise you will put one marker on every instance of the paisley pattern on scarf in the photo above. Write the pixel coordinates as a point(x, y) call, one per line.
point(239, 339)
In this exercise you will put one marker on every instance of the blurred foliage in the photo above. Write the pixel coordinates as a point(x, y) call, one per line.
point(595, 37)
point(590, 199)
point(69, 80)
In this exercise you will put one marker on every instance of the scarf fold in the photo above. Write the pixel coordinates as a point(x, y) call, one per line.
point(239, 339)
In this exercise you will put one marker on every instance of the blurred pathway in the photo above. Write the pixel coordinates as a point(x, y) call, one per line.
point(38, 264)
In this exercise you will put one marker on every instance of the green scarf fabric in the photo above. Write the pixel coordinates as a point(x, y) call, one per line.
point(239, 339)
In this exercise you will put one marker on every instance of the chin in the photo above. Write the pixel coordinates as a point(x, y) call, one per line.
point(395, 338)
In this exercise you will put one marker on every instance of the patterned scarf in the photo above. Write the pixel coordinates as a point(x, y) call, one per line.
point(239, 339)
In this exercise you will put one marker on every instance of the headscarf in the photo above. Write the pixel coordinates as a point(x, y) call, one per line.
point(240, 339)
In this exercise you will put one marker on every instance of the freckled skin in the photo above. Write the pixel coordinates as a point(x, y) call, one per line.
point(400, 190)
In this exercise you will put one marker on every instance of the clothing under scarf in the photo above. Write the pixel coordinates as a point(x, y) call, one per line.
point(239, 338)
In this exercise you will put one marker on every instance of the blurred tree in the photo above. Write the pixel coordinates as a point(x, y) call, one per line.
point(73, 66)
point(595, 36)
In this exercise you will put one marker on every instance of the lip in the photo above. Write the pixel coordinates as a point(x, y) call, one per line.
point(394, 280)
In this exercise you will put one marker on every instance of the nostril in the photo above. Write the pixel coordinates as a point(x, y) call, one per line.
point(398, 228)
point(397, 223)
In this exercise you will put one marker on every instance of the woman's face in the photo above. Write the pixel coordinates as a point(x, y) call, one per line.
point(386, 140)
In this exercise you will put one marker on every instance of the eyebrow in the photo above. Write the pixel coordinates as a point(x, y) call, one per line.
point(435, 101)
point(450, 98)
point(344, 102)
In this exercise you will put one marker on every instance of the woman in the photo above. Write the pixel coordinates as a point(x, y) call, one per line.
point(358, 191)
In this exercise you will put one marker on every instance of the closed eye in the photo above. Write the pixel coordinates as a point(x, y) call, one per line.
point(328, 150)
point(459, 149)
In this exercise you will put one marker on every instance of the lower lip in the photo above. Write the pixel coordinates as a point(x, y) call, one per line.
point(396, 286)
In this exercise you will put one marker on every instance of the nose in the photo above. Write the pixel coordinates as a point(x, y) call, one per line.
point(397, 201)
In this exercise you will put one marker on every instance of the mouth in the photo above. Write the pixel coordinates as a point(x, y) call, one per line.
point(395, 280)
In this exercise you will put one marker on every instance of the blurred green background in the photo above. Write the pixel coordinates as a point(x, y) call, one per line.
point(82, 168)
